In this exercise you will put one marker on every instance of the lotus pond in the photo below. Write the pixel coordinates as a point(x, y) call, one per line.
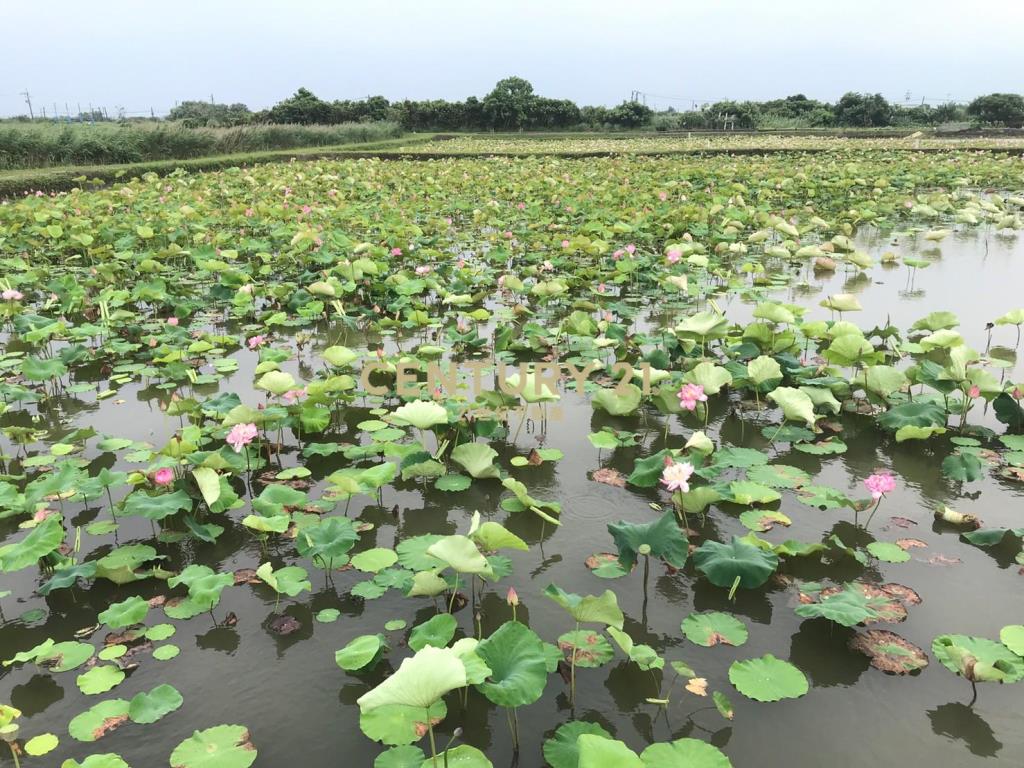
point(598, 462)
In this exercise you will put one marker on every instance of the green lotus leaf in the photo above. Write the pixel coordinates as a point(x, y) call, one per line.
point(405, 756)
point(462, 756)
point(1012, 636)
point(887, 552)
point(847, 607)
point(130, 611)
point(710, 376)
point(616, 402)
point(515, 655)
point(290, 580)
point(374, 560)
point(99, 679)
point(40, 745)
point(599, 752)
point(749, 493)
point(768, 679)
point(603, 609)
point(562, 750)
point(97, 721)
point(397, 724)
point(105, 760)
point(662, 538)
point(763, 371)
point(148, 707)
point(40, 541)
point(327, 542)
point(361, 652)
point(419, 682)
point(276, 382)
point(724, 563)
point(156, 507)
point(714, 627)
point(422, 414)
point(461, 554)
point(477, 459)
point(796, 405)
point(692, 753)
point(437, 631)
point(978, 658)
point(223, 746)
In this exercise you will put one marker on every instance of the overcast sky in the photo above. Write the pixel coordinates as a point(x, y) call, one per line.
point(139, 54)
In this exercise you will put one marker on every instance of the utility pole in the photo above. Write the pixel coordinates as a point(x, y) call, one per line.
point(28, 100)
point(211, 98)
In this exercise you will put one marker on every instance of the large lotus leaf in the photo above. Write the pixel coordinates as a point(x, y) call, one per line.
point(646, 472)
point(40, 541)
point(978, 658)
point(98, 720)
point(764, 370)
point(619, 401)
point(462, 756)
point(149, 707)
point(42, 369)
point(706, 325)
point(692, 753)
point(710, 376)
point(531, 388)
point(841, 302)
point(796, 404)
point(848, 349)
point(374, 560)
point(962, 467)
point(461, 554)
point(203, 583)
point(339, 356)
point(422, 414)
point(405, 756)
point(662, 538)
point(437, 631)
point(599, 752)
point(492, 536)
point(326, 541)
point(883, 380)
point(223, 746)
point(426, 584)
point(420, 680)
point(140, 504)
point(589, 609)
point(848, 607)
point(919, 413)
point(125, 613)
point(276, 382)
point(1013, 317)
point(768, 679)
point(398, 724)
point(360, 652)
point(104, 760)
point(120, 566)
point(515, 655)
point(1012, 636)
point(99, 679)
point(749, 493)
point(644, 656)
point(61, 657)
point(209, 484)
point(290, 580)
point(1008, 411)
point(67, 577)
point(562, 750)
point(714, 627)
point(723, 563)
point(477, 459)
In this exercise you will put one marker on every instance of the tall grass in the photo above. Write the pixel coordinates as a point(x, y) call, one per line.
point(36, 145)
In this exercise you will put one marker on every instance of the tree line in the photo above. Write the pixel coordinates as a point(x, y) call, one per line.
point(512, 105)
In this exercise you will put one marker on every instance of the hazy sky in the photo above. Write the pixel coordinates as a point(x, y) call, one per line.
point(150, 53)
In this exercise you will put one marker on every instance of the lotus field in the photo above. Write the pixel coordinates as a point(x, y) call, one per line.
point(589, 462)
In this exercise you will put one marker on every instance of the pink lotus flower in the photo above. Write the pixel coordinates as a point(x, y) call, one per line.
point(172, 321)
point(565, 243)
point(521, 206)
point(306, 209)
point(673, 256)
point(880, 483)
point(691, 394)
point(12, 295)
point(42, 514)
point(163, 476)
point(547, 266)
point(630, 249)
point(423, 270)
point(617, 254)
point(293, 396)
point(249, 213)
point(663, 196)
point(600, 287)
point(257, 341)
point(974, 391)
point(396, 251)
point(241, 435)
point(676, 476)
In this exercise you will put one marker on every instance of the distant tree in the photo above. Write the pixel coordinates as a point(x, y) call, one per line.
point(203, 113)
point(510, 105)
point(998, 108)
point(630, 114)
point(303, 107)
point(864, 110)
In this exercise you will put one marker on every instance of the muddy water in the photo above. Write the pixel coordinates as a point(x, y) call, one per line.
point(301, 709)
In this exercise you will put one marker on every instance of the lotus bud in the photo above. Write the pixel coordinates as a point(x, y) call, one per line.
point(512, 598)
